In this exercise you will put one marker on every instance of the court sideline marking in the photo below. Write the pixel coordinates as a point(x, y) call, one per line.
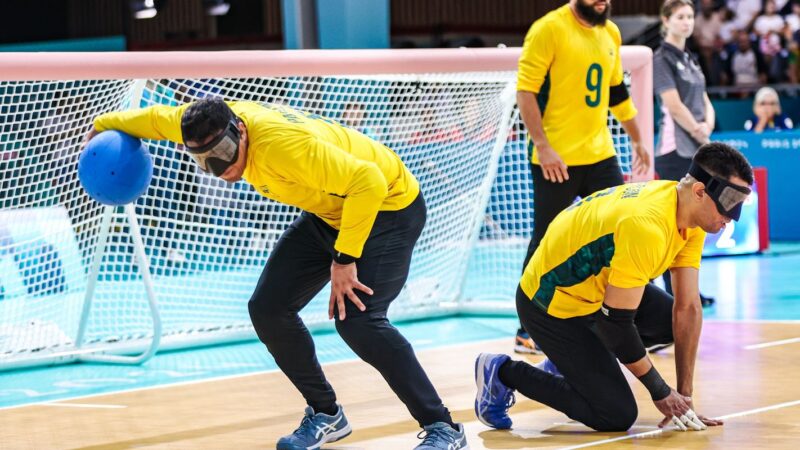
point(84, 405)
point(659, 431)
point(223, 377)
point(771, 344)
point(263, 372)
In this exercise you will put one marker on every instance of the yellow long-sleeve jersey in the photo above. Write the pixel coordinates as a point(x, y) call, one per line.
point(300, 159)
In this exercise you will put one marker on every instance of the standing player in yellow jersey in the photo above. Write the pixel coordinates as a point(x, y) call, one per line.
point(585, 296)
point(363, 213)
point(570, 75)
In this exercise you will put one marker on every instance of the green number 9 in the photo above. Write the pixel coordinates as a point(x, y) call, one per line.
point(594, 80)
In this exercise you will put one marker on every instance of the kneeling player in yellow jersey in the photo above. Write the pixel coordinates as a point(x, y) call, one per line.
point(363, 213)
point(586, 299)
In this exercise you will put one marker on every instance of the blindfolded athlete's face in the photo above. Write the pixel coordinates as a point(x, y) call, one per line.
point(222, 155)
point(721, 205)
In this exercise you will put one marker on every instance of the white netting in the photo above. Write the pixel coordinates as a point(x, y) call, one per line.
point(47, 225)
point(207, 241)
point(497, 257)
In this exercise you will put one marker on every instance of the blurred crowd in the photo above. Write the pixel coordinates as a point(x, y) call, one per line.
point(748, 42)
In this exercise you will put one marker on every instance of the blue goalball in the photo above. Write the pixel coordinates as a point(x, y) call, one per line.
point(115, 168)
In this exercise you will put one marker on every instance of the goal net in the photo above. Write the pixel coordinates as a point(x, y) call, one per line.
point(72, 282)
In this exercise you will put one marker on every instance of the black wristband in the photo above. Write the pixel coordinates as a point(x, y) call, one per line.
point(343, 258)
point(659, 389)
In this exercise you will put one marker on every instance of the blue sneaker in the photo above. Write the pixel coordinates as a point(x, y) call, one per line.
point(316, 429)
point(442, 436)
point(548, 367)
point(494, 398)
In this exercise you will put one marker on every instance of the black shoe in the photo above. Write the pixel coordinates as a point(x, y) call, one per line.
point(706, 301)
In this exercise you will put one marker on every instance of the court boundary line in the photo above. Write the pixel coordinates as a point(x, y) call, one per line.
point(264, 372)
point(783, 321)
point(647, 434)
point(222, 378)
point(83, 405)
point(771, 344)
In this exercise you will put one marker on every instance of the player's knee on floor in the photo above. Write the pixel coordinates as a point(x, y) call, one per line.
point(619, 419)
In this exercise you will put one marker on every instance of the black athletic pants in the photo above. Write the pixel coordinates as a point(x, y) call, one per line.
point(550, 198)
point(593, 389)
point(299, 267)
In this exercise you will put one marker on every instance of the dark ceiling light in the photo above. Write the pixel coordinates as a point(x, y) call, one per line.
point(216, 7)
point(143, 9)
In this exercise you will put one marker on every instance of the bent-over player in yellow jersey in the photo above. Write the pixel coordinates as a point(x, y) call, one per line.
point(586, 299)
point(362, 214)
point(570, 75)
point(300, 159)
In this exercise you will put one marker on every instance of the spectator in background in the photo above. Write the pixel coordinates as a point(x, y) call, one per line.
point(727, 31)
point(767, 113)
point(746, 11)
point(793, 18)
point(769, 21)
point(792, 36)
point(746, 66)
point(769, 28)
point(708, 25)
point(687, 113)
point(718, 72)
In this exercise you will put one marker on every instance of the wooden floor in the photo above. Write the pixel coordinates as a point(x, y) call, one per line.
point(755, 389)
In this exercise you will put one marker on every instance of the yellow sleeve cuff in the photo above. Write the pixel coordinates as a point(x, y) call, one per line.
point(625, 281)
point(527, 85)
point(624, 111)
point(100, 122)
point(685, 264)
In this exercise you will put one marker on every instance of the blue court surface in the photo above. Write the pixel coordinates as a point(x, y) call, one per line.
point(747, 288)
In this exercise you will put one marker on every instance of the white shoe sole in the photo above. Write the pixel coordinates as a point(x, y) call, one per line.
point(658, 347)
point(333, 437)
point(521, 349)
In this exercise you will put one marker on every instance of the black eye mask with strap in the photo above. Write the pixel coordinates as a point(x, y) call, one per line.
point(221, 152)
point(727, 196)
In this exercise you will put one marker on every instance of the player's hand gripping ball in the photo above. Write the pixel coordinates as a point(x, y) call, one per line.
point(115, 168)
